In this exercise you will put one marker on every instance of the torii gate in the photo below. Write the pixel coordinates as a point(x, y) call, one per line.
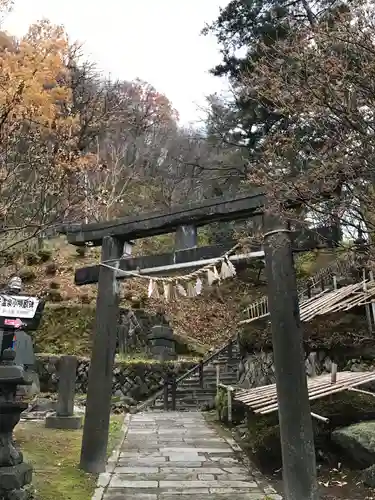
point(294, 413)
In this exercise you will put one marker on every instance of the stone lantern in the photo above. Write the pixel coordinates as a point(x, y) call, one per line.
point(14, 473)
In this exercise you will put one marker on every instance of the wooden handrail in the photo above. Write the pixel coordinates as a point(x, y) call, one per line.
point(199, 366)
point(259, 308)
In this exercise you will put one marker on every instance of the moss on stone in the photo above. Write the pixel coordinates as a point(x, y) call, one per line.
point(65, 330)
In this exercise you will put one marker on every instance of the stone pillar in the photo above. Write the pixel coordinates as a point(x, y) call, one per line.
point(65, 418)
point(162, 343)
point(14, 473)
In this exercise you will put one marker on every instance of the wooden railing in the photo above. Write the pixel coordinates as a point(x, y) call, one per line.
point(172, 383)
point(259, 309)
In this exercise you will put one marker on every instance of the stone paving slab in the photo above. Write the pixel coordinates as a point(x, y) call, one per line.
point(181, 496)
point(168, 455)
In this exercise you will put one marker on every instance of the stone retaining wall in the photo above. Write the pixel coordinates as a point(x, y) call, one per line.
point(132, 381)
point(257, 369)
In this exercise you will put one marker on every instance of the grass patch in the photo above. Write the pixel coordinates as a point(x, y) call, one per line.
point(55, 455)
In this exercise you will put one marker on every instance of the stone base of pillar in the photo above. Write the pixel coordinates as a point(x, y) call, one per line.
point(73, 422)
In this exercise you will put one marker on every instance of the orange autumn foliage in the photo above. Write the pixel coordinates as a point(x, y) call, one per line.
point(40, 163)
point(34, 84)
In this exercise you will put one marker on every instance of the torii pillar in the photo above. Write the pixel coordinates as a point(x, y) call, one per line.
point(296, 431)
point(99, 391)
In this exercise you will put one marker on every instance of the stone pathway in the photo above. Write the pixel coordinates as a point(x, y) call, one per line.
point(172, 455)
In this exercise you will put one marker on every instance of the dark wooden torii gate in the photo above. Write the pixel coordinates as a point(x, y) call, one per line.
point(294, 412)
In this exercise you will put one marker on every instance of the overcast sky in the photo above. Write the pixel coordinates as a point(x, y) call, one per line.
point(157, 41)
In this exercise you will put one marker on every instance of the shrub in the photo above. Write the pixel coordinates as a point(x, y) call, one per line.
point(54, 285)
point(55, 295)
point(81, 251)
point(85, 298)
point(9, 257)
point(31, 258)
point(51, 268)
point(27, 274)
point(45, 254)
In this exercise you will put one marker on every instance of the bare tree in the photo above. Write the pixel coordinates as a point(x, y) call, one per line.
point(320, 80)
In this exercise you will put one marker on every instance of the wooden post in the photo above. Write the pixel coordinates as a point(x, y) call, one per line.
point(312, 357)
point(99, 391)
point(296, 433)
point(230, 351)
point(201, 370)
point(371, 275)
point(173, 392)
point(165, 394)
point(334, 279)
point(309, 288)
point(367, 306)
point(333, 373)
point(217, 377)
point(229, 394)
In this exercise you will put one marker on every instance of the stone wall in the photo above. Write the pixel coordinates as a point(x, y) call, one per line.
point(132, 381)
point(257, 368)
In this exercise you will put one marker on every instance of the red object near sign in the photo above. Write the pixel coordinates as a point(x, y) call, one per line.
point(16, 323)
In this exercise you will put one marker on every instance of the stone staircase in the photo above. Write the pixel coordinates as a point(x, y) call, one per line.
point(197, 389)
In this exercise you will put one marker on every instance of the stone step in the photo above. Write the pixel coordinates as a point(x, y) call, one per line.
point(208, 380)
point(186, 388)
point(212, 371)
point(206, 385)
point(211, 374)
point(193, 394)
point(189, 393)
point(196, 396)
point(191, 401)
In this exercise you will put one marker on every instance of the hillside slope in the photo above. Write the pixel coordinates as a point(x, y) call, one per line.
point(209, 319)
